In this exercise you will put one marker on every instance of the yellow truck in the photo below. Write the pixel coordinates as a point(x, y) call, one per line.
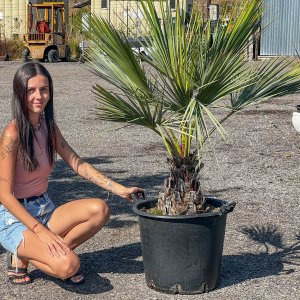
point(46, 36)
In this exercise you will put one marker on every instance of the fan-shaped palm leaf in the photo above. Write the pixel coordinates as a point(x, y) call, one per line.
point(192, 70)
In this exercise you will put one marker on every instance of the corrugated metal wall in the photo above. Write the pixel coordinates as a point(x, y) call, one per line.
point(280, 28)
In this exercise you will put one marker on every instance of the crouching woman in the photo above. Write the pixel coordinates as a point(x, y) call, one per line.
point(32, 229)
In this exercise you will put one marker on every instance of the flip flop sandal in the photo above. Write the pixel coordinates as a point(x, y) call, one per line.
point(13, 279)
point(19, 273)
point(71, 281)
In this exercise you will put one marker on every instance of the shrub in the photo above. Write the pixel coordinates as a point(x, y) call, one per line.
point(14, 48)
point(73, 42)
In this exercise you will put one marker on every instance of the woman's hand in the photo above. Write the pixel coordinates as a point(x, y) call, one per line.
point(126, 193)
point(54, 243)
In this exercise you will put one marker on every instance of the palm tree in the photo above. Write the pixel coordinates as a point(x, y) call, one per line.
point(192, 70)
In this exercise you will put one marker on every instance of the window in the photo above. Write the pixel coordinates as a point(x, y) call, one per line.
point(104, 4)
point(172, 4)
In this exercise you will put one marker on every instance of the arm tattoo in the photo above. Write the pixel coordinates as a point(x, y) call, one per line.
point(2, 179)
point(6, 149)
point(64, 144)
point(97, 178)
point(89, 177)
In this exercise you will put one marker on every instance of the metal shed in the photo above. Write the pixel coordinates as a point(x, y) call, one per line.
point(280, 33)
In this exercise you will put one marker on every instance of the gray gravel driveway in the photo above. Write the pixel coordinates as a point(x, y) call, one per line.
point(257, 166)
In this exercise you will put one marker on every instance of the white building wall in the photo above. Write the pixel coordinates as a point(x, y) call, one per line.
point(13, 17)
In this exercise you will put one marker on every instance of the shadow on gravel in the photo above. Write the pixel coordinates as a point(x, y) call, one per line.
point(266, 112)
point(120, 260)
point(66, 185)
point(276, 259)
point(2, 250)
point(118, 222)
point(215, 193)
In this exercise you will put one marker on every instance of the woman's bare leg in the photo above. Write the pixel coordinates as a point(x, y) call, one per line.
point(79, 220)
point(76, 222)
point(34, 251)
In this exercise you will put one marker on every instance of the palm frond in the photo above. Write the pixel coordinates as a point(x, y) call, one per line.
point(192, 70)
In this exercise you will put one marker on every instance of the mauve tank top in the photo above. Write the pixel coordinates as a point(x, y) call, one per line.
point(27, 184)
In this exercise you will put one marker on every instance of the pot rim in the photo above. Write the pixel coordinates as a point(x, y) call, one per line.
point(217, 202)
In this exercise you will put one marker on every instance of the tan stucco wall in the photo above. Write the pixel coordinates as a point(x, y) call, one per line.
point(125, 12)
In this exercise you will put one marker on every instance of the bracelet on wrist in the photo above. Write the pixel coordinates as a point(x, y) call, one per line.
point(109, 185)
point(34, 226)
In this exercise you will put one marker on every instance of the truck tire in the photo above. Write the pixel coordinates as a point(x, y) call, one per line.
point(53, 56)
point(25, 55)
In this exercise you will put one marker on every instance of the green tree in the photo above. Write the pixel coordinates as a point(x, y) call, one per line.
point(192, 71)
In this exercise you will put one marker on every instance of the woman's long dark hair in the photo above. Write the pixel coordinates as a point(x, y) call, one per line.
point(21, 115)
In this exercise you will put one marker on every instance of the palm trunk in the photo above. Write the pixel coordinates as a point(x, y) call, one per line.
point(182, 193)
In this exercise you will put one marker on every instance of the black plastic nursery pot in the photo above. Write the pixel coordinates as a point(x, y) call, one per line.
point(182, 254)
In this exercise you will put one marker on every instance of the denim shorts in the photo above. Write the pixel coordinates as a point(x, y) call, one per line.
point(11, 229)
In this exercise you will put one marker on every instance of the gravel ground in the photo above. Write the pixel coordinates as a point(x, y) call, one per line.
point(257, 166)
